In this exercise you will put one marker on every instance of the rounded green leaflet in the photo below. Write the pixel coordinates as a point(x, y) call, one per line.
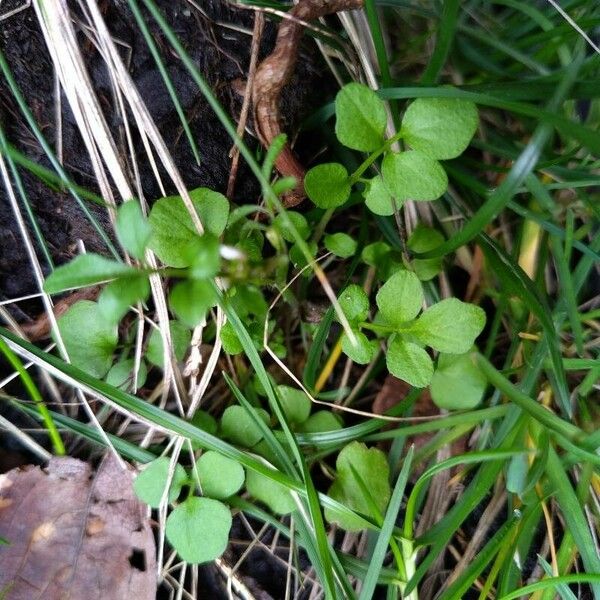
point(117, 296)
point(327, 185)
point(360, 118)
point(354, 303)
point(173, 230)
point(441, 128)
point(322, 420)
point(413, 176)
point(449, 326)
point(362, 352)
point(132, 228)
point(378, 198)
point(295, 403)
point(409, 362)
point(190, 300)
point(199, 529)
point(376, 253)
point(340, 244)
point(121, 374)
point(89, 339)
point(180, 337)
point(203, 255)
point(149, 486)
point(276, 496)
point(220, 477)
point(230, 340)
point(238, 425)
point(423, 239)
point(247, 300)
point(297, 256)
point(400, 298)
point(298, 221)
point(360, 471)
point(457, 383)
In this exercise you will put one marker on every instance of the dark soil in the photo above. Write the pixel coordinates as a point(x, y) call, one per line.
point(219, 51)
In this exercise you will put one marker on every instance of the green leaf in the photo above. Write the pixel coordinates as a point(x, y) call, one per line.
point(276, 496)
point(376, 253)
point(121, 374)
point(229, 339)
point(180, 336)
point(299, 222)
point(440, 127)
point(449, 326)
point(204, 257)
point(199, 529)
point(116, 297)
point(516, 474)
point(191, 299)
point(149, 486)
point(354, 303)
point(340, 244)
point(362, 351)
point(132, 229)
point(90, 341)
point(372, 468)
point(220, 476)
point(173, 229)
point(327, 185)
point(295, 403)
point(413, 176)
point(400, 298)
point(299, 259)
point(205, 421)
point(457, 383)
point(239, 427)
point(378, 197)
point(322, 420)
point(424, 239)
point(249, 300)
point(84, 270)
point(360, 118)
point(409, 362)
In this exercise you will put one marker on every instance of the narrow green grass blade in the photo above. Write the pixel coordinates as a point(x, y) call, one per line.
point(444, 39)
point(517, 282)
point(553, 582)
point(441, 533)
point(91, 434)
point(277, 449)
point(481, 561)
point(378, 556)
point(39, 236)
point(574, 516)
point(317, 525)
point(464, 459)
point(36, 396)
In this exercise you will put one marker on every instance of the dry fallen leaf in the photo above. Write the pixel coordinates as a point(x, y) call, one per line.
point(74, 535)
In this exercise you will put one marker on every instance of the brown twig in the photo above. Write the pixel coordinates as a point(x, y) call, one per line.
point(275, 72)
point(259, 21)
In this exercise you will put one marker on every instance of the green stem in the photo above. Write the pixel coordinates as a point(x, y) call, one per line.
point(373, 157)
point(34, 393)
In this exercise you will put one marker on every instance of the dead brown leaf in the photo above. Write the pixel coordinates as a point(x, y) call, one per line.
point(74, 535)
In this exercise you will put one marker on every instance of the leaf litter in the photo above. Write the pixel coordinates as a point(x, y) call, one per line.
point(73, 533)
